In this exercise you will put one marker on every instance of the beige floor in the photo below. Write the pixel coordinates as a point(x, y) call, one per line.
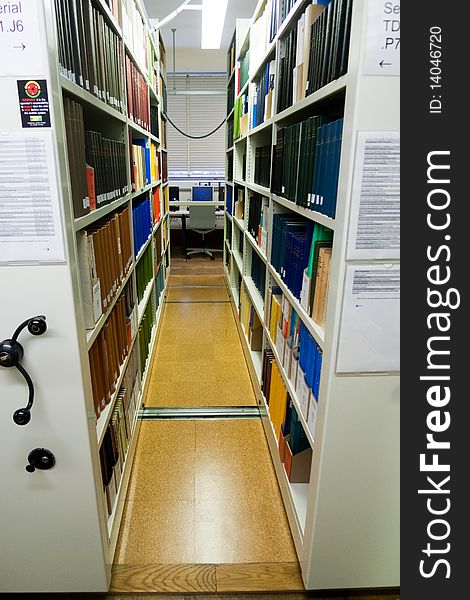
point(199, 360)
point(203, 492)
point(203, 510)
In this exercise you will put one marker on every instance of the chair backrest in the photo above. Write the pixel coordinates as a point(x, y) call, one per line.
point(174, 193)
point(201, 217)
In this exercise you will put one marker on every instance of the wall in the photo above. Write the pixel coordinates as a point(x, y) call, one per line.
point(196, 60)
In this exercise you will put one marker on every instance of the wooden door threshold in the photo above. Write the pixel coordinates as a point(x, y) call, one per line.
point(207, 578)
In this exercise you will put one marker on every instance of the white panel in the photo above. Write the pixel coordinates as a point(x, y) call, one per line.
point(49, 519)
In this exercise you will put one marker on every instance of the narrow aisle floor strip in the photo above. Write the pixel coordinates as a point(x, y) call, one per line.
point(203, 511)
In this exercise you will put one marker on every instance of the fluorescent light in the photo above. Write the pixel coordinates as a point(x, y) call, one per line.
point(213, 17)
point(193, 7)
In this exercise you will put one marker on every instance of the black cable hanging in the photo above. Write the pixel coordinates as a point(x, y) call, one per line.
point(193, 137)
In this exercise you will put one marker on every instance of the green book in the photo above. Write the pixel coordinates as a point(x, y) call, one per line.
point(320, 234)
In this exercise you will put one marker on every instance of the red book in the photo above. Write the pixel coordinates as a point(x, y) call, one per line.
point(90, 178)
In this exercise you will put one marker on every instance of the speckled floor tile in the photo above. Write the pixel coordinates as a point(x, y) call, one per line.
point(192, 393)
point(241, 531)
point(197, 294)
point(159, 532)
point(199, 360)
point(189, 279)
point(164, 466)
point(203, 492)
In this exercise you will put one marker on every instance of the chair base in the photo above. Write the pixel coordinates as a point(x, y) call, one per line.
point(207, 251)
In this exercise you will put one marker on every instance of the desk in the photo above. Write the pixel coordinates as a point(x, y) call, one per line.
point(198, 202)
point(183, 214)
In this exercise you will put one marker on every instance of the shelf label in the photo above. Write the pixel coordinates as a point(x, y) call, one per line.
point(369, 338)
point(97, 310)
point(30, 216)
point(383, 38)
point(303, 395)
point(312, 415)
point(20, 44)
point(374, 230)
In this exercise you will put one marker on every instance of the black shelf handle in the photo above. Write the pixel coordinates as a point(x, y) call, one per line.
point(11, 353)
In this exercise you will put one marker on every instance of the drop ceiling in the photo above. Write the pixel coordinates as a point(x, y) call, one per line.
point(188, 22)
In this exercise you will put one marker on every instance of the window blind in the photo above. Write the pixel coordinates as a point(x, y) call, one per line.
point(196, 114)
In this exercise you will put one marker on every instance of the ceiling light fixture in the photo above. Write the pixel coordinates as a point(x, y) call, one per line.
point(185, 6)
point(213, 17)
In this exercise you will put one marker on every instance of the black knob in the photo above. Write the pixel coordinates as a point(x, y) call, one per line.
point(11, 352)
point(22, 416)
point(40, 458)
point(37, 325)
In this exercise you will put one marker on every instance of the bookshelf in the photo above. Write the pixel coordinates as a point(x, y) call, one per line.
point(104, 69)
point(343, 507)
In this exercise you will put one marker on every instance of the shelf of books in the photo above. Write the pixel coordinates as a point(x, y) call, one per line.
point(296, 108)
point(104, 68)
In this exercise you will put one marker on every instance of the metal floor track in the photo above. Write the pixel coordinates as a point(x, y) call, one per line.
point(155, 413)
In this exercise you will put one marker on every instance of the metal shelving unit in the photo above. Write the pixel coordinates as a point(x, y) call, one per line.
point(68, 502)
point(330, 514)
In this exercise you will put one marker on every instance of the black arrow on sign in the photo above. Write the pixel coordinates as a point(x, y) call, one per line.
point(382, 64)
point(22, 46)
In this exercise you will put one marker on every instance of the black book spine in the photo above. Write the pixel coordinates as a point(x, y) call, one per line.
point(82, 156)
point(99, 52)
point(90, 30)
point(72, 7)
point(68, 40)
point(317, 51)
point(346, 37)
point(99, 163)
point(88, 43)
point(339, 26)
point(60, 38)
point(83, 48)
point(327, 43)
point(330, 75)
point(311, 60)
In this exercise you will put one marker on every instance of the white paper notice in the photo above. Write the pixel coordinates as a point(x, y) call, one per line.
point(370, 332)
point(20, 44)
point(30, 217)
point(374, 229)
point(383, 38)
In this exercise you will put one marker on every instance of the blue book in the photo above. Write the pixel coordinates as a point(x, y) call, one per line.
point(309, 375)
point(148, 218)
point(143, 144)
point(136, 232)
point(302, 352)
point(337, 158)
point(327, 161)
point(285, 427)
point(275, 242)
point(255, 116)
point(228, 201)
point(332, 183)
point(316, 381)
point(324, 189)
point(290, 258)
point(318, 167)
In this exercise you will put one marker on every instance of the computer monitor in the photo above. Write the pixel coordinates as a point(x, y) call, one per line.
point(174, 193)
point(201, 193)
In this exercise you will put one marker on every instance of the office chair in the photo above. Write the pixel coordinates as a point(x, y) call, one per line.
point(202, 221)
point(174, 196)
